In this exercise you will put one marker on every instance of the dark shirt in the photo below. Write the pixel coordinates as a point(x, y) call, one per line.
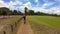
point(24, 17)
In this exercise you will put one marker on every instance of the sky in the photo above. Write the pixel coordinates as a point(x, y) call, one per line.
point(46, 6)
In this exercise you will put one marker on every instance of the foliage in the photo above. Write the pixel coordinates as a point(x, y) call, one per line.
point(6, 11)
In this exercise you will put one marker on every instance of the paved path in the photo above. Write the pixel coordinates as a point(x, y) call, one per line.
point(25, 29)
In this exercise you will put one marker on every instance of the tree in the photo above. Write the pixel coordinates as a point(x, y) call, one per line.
point(26, 10)
point(15, 12)
point(20, 13)
point(30, 12)
point(4, 11)
point(37, 13)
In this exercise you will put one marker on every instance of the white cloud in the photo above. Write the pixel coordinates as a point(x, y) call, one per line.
point(10, 4)
point(13, 4)
point(2, 4)
point(28, 5)
point(55, 10)
point(18, 2)
point(48, 4)
point(36, 0)
point(38, 9)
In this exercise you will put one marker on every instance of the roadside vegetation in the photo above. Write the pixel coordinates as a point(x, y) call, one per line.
point(6, 23)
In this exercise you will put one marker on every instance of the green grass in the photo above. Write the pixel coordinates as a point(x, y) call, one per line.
point(46, 21)
point(49, 21)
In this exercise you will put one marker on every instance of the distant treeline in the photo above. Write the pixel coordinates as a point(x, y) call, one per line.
point(6, 11)
point(31, 12)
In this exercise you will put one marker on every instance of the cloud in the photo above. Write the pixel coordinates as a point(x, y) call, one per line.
point(14, 5)
point(28, 5)
point(51, 3)
point(57, 0)
point(18, 2)
point(11, 4)
point(38, 9)
point(47, 4)
point(55, 10)
point(21, 8)
point(36, 0)
point(2, 4)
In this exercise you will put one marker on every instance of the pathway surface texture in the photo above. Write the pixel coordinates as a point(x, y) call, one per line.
point(25, 28)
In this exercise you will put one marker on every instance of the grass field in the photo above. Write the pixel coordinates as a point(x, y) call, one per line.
point(48, 21)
